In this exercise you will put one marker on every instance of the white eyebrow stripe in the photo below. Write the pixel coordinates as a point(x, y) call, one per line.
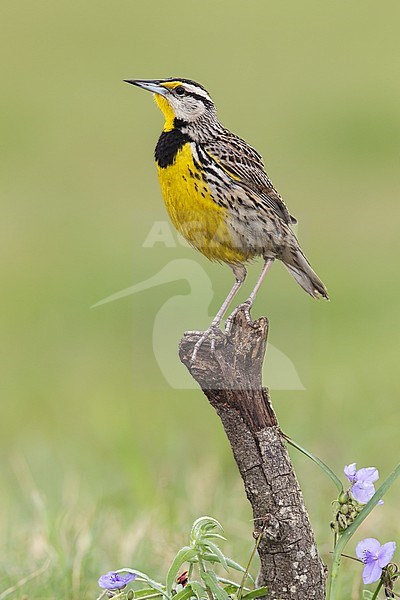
point(196, 90)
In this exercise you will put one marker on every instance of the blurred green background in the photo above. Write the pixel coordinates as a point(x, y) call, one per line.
point(103, 464)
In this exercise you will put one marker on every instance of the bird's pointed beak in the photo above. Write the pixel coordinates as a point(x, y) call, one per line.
point(151, 85)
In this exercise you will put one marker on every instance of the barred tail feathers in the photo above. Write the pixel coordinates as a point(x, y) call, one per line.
point(299, 267)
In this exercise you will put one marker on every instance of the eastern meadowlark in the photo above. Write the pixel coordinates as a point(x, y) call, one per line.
point(218, 194)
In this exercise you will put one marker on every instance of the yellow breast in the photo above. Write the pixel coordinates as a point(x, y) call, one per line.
point(193, 210)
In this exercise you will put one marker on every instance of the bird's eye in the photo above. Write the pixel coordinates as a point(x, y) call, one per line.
point(180, 90)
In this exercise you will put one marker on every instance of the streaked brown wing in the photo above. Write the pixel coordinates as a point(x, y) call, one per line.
point(246, 167)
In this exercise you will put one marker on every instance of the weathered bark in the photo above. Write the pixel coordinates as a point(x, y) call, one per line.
point(232, 382)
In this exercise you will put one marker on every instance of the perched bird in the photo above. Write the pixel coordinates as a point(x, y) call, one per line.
point(218, 194)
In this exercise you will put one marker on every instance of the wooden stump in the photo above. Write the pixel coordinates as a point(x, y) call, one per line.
point(232, 382)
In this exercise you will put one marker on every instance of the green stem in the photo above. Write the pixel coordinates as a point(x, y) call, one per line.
point(374, 597)
point(334, 575)
point(317, 461)
point(204, 570)
point(349, 532)
point(246, 573)
point(143, 577)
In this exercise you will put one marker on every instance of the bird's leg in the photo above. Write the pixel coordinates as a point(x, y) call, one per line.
point(240, 275)
point(246, 306)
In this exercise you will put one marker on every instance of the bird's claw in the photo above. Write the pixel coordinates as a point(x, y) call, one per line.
point(245, 307)
point(210, 333)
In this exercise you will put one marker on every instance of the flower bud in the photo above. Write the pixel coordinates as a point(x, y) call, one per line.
point(342, 521)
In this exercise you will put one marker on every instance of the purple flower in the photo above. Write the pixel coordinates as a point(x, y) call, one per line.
point(115, 581)
point(362, 481)
point(375, 557)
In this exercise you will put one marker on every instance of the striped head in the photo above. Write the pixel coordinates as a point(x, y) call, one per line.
point(181, 100)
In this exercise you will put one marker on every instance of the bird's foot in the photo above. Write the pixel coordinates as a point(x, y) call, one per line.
point(245, 307)
point(211, 333)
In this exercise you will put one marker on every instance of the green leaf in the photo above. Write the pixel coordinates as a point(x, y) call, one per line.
point(211, 557)
point(215, 550)
point(147, 593)
point(367, 595)
point(317, 461)
point(185, 593)
point(229, 583)
point(203, 526)
point(231, 587)
point(214, 535)
point(234, 565)
point(184, 555)
point(257, 593)
point(211, 523)
point(154, 584)
point(211, 581)
point(349, 532)
point(199, 591)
